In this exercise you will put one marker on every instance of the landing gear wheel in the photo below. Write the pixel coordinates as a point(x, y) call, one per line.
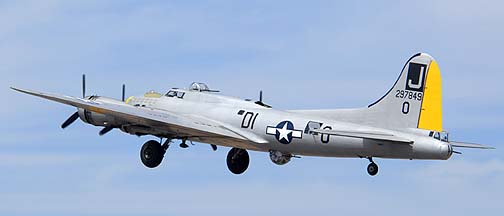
point(372, 169)
point(238, 160)
point(152, 154)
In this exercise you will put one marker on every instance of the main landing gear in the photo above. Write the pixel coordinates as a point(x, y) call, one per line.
point(372, 168)
point(238, 160)
point(153, 152)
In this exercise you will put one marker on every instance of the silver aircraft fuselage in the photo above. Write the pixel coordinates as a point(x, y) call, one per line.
point(257, 119)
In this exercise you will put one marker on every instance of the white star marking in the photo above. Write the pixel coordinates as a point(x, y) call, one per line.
point(284, 133)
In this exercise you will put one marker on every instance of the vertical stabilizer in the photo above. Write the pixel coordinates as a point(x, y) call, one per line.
point(415, 99)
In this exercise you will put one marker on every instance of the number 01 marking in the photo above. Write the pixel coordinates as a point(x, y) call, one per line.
point(249, 120)
point(405, 107)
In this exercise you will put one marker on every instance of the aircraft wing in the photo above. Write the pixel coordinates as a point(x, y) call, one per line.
point(469, 145)
point(194, 126)
point(365, 135)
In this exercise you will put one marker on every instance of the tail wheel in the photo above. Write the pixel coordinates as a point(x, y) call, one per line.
point(238, 160)
point(372, 169)
point(152, 154)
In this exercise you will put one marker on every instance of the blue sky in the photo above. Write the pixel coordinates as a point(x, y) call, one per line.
point(303, 54)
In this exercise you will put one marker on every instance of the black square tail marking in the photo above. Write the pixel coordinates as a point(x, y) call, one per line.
point(416, 77)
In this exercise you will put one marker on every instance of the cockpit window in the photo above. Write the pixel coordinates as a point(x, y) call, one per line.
point(437, 136)
point(180, 94)
point(171, 93)
point(175, 93)
point(444, 137)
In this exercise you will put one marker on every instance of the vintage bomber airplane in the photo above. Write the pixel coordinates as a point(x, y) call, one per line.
point(406, 123)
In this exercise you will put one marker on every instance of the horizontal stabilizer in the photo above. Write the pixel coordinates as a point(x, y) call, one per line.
point(470, 145)
point(365, 135)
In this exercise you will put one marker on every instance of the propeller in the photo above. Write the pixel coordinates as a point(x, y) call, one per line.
point(183, 144)
point(75, 116)
point(105, 130)
point(83, 85)
point(123, 92)
point(70, 120)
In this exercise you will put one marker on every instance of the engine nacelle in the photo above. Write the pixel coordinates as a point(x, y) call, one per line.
point(97, 119)
point(280, 158)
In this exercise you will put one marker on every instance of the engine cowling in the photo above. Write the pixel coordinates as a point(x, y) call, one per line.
point(280, 158)
point(98, 119)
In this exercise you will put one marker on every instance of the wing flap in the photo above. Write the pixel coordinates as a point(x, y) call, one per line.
point(365, 135)
point(196, 126)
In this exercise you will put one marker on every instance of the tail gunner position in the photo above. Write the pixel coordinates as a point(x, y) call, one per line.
point(406, 123)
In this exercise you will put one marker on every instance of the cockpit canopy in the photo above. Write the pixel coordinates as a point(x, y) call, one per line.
point(201, 87)
point(195, 86)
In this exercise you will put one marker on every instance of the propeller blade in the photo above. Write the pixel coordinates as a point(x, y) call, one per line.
point(83, 85)
point(123, 92)
point(105, 130)
point(456, 152)
point(214, 147)
point(70, 120)
point(183, 144)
